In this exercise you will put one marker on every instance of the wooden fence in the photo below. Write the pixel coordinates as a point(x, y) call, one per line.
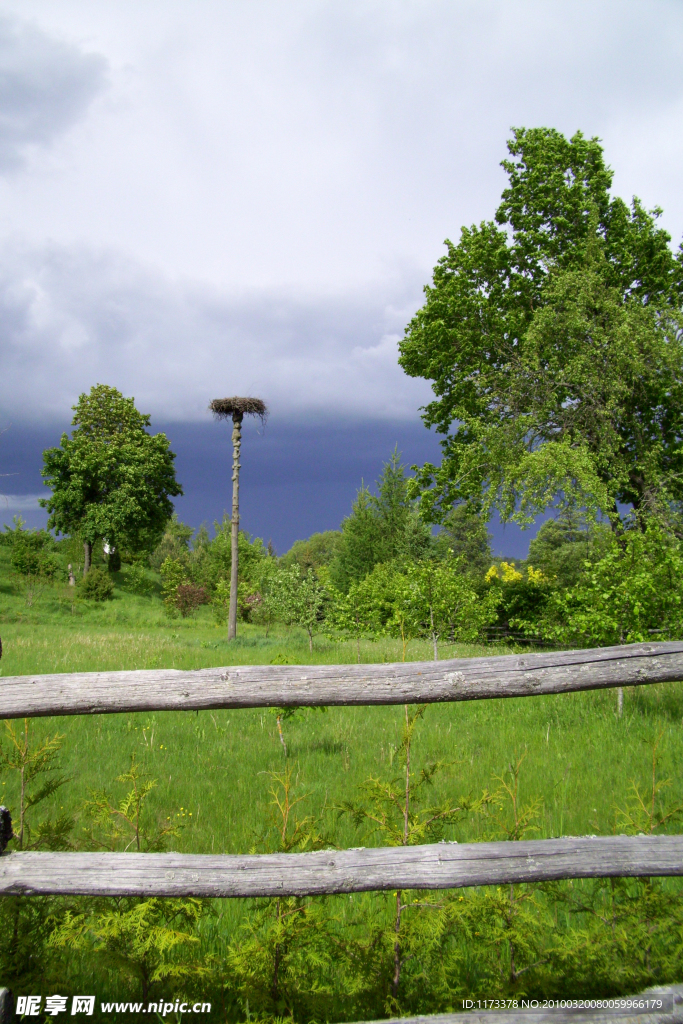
point(436, 866)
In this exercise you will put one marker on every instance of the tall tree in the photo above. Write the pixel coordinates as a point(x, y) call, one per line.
point(236, 409)
point(111, 479)
point(382, 527)
point(552, 339)
point(464, 535)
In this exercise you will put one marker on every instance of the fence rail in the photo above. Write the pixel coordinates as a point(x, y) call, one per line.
point(257, 686)
point(436, 866)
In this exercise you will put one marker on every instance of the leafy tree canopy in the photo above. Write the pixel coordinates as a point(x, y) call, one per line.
point(111, 478)
point(318, 550)
point(382, 527)
point(552, 337)
point(464, 536)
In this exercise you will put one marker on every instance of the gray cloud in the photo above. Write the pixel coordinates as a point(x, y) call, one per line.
point(70, 318)
point(45, 87)
point(263, 190)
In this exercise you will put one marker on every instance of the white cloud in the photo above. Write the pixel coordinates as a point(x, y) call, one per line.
point(20, 502)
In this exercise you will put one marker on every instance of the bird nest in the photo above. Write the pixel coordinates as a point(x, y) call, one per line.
point(236, 408)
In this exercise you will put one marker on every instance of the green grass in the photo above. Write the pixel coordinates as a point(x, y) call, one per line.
point(212, 768)
point(580, 759)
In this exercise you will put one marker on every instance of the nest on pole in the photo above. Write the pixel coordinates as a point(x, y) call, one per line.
point(236, 408)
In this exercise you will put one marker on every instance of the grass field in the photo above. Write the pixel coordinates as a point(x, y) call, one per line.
point(580, 760)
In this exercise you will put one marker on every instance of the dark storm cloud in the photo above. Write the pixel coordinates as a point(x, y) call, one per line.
point(70, 318)
point(45, 87)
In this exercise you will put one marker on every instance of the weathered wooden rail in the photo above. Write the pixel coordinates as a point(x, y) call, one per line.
point(325, 872)
point(257, 686)
point(437, 866)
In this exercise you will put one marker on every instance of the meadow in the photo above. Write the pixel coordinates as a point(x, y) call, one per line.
point(215, 770)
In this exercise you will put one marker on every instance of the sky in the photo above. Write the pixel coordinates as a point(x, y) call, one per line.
point(217, 198)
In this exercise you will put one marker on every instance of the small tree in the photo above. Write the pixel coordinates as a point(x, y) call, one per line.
point(235, 409)
point(353, 616)
point(111, 478)
point(300, 598)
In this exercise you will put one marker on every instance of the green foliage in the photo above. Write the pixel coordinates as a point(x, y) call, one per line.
point(96, 585)
point(211, 559)
point(645, 812)
point(353, 615)
point(285, 961)
point(464, 536)
point(316, 551)
point(126, 825)
point(299, 597)
point(27, 923)
point(562, 546)
point(39, 772)
point(553, 343)
point(390, 808)
point(173, 575)
point(142, 942)
point(427, 599)
point(111, 478)
point(10, 533)
point(137, 580)
point(175, 544)
point(634, 592)
point(381, 528)
point(30, 557)
point(521, 598)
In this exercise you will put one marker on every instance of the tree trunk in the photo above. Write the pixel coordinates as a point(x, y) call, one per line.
point(87, 556)
point(435, 635)
point(235, 523)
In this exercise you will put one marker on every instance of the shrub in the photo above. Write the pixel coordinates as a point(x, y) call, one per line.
point(137, 580)
point(97, 585)
point(173, 575)
point(188, 597)
point(31, 560)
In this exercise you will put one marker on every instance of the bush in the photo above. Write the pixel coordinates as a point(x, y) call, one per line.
point(137, 580)
point(30, 560)
point(97, 585)
point(188, 597)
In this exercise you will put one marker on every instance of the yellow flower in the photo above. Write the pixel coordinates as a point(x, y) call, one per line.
point(510, 574)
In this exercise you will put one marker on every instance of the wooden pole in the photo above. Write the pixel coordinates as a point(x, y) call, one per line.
point(416, 682)
point(435, 866)
point(235, 523)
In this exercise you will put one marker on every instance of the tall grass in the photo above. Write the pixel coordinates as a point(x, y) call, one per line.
point(211, 767)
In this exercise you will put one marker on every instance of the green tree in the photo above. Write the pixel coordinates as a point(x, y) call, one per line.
point(553, 344)
point(464, 535)
point(634, 592)
point(563, 545)
point(299, 597)
point(318, 550)
point(382, 527)
point(174, 544)
point(111, 479)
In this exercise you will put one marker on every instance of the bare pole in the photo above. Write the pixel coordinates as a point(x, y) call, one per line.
point(236, 408)
point(235, 523)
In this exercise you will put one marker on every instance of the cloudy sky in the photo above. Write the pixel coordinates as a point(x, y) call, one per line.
point(236, 196)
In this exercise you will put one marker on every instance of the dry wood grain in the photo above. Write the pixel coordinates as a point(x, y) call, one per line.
point(252, 686)
point(435, 866)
